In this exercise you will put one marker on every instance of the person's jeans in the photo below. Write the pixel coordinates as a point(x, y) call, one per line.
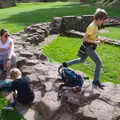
point(3, 70)
point(13, 64)
point(93, 55)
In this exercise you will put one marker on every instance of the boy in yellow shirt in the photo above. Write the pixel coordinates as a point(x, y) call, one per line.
point(89, 45)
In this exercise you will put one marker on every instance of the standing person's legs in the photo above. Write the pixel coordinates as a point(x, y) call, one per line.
point(93, 55)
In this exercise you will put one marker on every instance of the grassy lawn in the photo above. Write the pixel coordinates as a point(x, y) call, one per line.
point(65, 48)
point(24, 14)
point(112, 32)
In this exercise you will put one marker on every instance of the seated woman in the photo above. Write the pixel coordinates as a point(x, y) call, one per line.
point(7, 56)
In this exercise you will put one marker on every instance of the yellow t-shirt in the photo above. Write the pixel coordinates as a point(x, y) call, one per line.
point(92, 31)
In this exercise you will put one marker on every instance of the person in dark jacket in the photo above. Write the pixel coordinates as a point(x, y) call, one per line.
point(19, 88)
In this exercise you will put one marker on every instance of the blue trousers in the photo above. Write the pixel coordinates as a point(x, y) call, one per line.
point(93, 55)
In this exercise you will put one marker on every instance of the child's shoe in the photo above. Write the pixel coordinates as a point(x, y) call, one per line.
point(65, 64)
point(98, 84)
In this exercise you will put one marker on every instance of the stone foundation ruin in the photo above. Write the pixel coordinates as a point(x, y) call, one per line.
point(7, 3)
point(86, 105)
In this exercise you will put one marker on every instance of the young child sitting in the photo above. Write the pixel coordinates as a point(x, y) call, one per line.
point(20, 90)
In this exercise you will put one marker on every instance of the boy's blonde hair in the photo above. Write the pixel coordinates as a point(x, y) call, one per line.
point(100, 14)
point(15, 73)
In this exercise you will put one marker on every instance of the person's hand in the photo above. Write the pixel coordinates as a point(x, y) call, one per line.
point(9, 47)
point(8, 64)
point(97, 42)
point(9, 96)
point(101, 39)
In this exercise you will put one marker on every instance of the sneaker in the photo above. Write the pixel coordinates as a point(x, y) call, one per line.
point(94, 86)
point(101, 86)
point(65, 64)
point(98, 85)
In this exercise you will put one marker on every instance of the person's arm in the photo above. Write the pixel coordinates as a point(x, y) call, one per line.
point(86, 39)
point(11, 50)
point(5, 48)
point(91, 30)
point(8, 64)
point(101, 39)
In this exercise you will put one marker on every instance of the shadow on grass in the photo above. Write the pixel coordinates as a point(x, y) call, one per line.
point(17, 22)
point(47, 14)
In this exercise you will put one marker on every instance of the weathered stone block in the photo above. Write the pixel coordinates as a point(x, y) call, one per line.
point(7, 3)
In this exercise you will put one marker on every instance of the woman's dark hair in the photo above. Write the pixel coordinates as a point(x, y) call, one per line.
point(100, 14)
point(2, 31)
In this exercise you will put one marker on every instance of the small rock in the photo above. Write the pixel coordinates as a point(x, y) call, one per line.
point(31, 62)
point(27, 70)
point(26, 54)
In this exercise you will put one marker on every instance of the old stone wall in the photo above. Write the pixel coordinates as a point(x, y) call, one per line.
point(88, 104)
point(78, 23)
point(66, 23)
point(7, 3)
point(28, 0)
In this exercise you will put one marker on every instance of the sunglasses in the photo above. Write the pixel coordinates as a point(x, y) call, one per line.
point(6, 36)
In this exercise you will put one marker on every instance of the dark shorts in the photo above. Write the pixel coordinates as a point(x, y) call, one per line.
point(83, 51)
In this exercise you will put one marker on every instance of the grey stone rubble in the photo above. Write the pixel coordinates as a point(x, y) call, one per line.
point(78, 23)
point(37, 33)
point(76, 26)
point(86, 105)
point(90, 104)
point(31, 0)
point(112, 21)
point(7, 3)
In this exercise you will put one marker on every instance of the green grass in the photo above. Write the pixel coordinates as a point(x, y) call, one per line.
point(65, 48)
point(8, 115)
point(113, 32)
point(2, 102)
point(24, 14)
